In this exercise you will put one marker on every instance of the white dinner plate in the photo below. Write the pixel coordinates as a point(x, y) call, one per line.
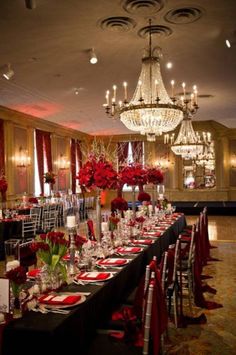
point(60, 306)
point(112, 262)
point(77, 278)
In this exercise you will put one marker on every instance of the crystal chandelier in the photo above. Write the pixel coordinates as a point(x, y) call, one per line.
point(188, 144)
point(207, 158)
point(151, 111)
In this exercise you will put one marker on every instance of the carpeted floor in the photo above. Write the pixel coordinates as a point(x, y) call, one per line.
point(218, 335)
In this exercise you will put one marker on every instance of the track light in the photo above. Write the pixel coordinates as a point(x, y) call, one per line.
point(93, 57)
point(6, 71)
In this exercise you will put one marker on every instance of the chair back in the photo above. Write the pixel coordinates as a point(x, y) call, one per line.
point(148, 314)
point(29, 227)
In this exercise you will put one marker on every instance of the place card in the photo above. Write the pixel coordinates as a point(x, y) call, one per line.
point(4, 295)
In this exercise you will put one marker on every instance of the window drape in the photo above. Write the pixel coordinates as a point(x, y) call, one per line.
point(43, 141)
point(137, 151)
point(73, 165)
point(2, 152)
point(79, 153)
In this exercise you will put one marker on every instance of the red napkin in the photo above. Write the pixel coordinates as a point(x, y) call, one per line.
point(59, 300)
point(99, 276)
point(128, 250)
point(67, 257)
point(33, 273)
point(142, 241)
point(116, 262)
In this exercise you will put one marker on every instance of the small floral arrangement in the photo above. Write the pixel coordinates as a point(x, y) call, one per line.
point(17, 277)
point(144, 196)
point(154, 176)
point(79, 242)
point(50, 177)
point(97, 173)
point(3, 186)
point(113, 221)
point(133, 175)
point(162, 204)
point(119, 203)
point(140, 219)
point(50, 248)
point(33, 200)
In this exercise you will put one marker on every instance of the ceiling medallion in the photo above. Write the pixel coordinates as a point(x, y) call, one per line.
point(117, 24)
point(143, 7)
point(158, 30)
point(184, 15)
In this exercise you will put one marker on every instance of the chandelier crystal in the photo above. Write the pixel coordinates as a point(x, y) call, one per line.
point(151, 111)
point(188, 144)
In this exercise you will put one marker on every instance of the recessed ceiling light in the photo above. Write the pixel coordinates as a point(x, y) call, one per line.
point(169, 65)
point(227, 42)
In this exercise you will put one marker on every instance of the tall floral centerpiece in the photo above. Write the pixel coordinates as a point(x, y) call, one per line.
point(133, 175)
point(119, 204)
point(17, 277)
point(154, 177)
point(97, 174)
point(50, 178)
point(3, 187)
point(50, 248)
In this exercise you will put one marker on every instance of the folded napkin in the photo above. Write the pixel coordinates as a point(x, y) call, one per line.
point(112, 261)
point(93, 276)
point(33, 273)
point(152, 234)
point(67, 257)
point(59, 299)
point(128, 250)
point(142, 241)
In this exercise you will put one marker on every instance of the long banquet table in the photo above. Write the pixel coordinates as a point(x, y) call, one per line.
point(37, 333)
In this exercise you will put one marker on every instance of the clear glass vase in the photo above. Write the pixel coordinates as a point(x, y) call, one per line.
point(51, 279)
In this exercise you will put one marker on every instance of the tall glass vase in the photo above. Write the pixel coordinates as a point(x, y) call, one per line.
point(133, 201)
point(153, 197)
point(98, 215)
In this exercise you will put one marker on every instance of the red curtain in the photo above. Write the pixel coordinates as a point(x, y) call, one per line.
point(122, 153)
point(48, 149)
point(137, 151)
point(2, 153)
point(79, 153)
point(73, 165)
point(39, 150)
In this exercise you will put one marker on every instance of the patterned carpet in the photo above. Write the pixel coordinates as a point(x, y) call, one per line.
point(218, 335)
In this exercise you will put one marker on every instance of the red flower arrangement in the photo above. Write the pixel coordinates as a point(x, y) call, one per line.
point(140, 219)
point(33, 200)
point(17, 279)
point(50, 178)
point(144, 196)
point(154, 176)
point(97, 173)
point(79, 241)
point(119, 203)
point(3, 186)
point(134, 175)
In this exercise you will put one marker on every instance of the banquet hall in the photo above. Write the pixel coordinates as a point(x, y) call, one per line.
point(117, 177)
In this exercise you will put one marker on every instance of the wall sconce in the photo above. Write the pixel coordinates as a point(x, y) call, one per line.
point(62, 162)
point(233, 161)
point(7, 71)
point(22, 159)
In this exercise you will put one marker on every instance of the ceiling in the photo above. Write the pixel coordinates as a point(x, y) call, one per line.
point(48, 45)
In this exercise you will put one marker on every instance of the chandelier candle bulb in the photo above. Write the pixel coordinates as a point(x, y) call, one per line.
point(70, 221)
point(114, 92)
point(125, 90)
point(107, 97)
point(183, 86)
point(140, 89)
point(172, 88)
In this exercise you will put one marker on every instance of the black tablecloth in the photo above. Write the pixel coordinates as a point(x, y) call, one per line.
point(38, 333)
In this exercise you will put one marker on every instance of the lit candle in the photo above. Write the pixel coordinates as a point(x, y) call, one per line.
point(114, 92)
point(70, 222)
point(107, 97)
point(209, 137)
point(156, 87)
point(140, 88)
point(182, 100)
point(120, 103)
point(113, 106)
point(172, 138)
point(195, 93)
point(125, 89)
point(183, 86)
point(172, 87)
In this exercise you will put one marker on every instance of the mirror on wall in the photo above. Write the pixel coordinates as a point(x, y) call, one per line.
point(200, 173)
